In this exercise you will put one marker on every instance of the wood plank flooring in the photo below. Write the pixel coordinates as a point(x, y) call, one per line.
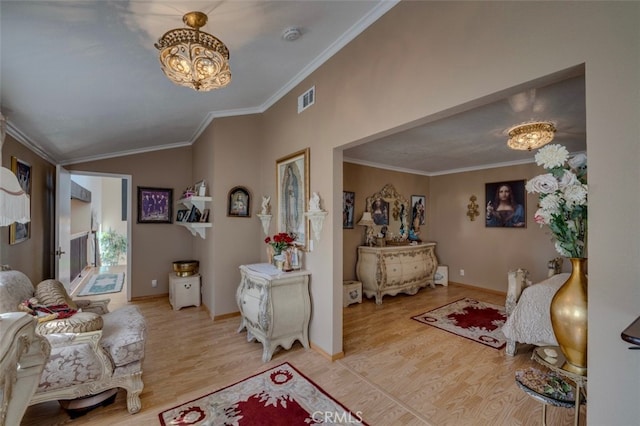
point(396, 371)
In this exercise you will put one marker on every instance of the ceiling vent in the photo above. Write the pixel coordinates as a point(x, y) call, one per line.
point(307, 99)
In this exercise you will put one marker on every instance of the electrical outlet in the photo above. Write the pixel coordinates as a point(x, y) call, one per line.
point(154, 283)
point(462, 272)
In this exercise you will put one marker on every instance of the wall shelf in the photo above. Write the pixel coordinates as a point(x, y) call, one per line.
point(196, 228)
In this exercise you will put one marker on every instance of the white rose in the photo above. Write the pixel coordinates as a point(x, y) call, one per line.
point(576, 195)
point(577, 161)
point(550, 203)
point(543, 184)
point(551, 156)
point(568, 178)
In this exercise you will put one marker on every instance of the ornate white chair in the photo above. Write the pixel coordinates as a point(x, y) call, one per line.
point(527, 307)
point(22, 357)
point(92, 351)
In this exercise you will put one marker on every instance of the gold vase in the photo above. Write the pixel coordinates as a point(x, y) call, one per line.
point(569, 317)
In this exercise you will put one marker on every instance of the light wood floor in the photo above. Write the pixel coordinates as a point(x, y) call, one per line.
point(396, 371)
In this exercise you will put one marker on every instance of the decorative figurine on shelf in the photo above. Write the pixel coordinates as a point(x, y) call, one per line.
point(266, 205)
point(189, 192)
point(314, 203)
point(316, 215)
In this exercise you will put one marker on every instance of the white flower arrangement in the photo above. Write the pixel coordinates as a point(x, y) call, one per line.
point(563, 198)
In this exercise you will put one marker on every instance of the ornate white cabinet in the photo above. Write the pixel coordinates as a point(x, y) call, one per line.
point(396, 269)
point(275, 306)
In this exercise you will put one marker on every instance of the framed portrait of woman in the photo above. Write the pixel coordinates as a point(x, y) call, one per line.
point(505, 204)
point(292, 181)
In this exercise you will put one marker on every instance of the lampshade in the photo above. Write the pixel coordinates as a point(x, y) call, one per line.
point(14, 203)
point(366, 219)
point(192, 58)
point(530, 136)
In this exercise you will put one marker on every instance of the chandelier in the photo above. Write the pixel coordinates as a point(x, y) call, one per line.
point(530, 136)
point(192, 58)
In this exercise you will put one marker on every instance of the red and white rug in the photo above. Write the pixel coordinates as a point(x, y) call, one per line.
point(478, 321)
point(279, 396)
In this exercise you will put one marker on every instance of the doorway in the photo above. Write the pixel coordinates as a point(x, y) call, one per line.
point(101, 230)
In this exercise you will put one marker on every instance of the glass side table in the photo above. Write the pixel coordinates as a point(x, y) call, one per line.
point(543, 356)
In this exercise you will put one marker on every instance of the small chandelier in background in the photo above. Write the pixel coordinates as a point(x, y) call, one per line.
point(530, 136)
point(192, 58)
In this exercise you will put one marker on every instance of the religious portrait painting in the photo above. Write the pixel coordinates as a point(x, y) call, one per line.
point(292, 177)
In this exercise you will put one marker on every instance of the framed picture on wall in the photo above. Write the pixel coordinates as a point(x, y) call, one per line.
point(19, 232)
point(505, 204)
point(292, 181)
point(348, 201)
point(155, 205)
point(239, 202)
point(418, 205)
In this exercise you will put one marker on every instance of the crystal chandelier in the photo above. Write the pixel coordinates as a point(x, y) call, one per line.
point(192, 58)
point(530, 136)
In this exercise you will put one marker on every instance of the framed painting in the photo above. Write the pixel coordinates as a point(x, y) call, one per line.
point(155, 205)
point(239, 202)
point(19, 232)
point(292, 181)
point(506, 204)
point(348, 201)
point(418, 205)
point(380, 211)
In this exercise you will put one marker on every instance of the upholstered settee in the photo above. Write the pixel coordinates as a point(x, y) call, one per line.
point(527, 307)
point(93, 350)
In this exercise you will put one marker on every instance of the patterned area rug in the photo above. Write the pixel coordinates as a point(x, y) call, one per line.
point(103, 283)
point(478, 321)
point(279, 396)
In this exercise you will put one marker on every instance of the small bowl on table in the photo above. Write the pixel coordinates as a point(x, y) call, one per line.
point(186, 268)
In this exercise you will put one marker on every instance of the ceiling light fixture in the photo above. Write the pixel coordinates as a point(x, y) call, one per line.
point(192, 58)
point(530, 136)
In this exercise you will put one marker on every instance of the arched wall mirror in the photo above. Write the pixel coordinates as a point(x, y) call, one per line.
point(389, 211)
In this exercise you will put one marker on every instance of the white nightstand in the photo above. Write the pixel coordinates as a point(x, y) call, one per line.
point(184, 291)
point(351, 292)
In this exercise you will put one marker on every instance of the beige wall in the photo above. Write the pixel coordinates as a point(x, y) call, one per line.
point(111, 206)
point(366, 181)
point(425, 59)
point(80, 216)
point(228, 154)
point(485, 254)
point(35, 255)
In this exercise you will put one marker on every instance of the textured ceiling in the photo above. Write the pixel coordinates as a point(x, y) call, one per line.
point(476, 138)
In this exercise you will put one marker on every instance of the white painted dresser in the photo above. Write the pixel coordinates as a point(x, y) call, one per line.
point(275, 306)
point(396, 269)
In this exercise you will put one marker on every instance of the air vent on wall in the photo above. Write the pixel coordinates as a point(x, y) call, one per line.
point(307, 99)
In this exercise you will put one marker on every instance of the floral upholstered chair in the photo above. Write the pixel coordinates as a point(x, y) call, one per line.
point(92, 349)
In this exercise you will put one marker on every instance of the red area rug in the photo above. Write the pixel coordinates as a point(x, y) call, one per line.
point(478, 321)
point(279, 396)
